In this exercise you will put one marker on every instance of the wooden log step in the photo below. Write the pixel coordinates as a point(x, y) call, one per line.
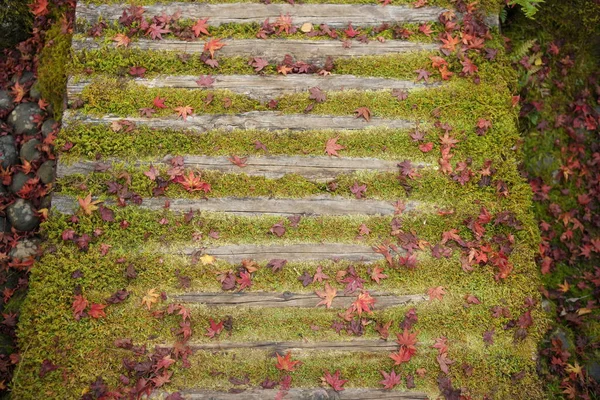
point(265, 120)
point(274, 50)
point(306, 394)
point(291, 252)
point(315, 168)
point(254, 206)
point(334, 15)
point(288, 299)
point(266, 87)
point(355, 345)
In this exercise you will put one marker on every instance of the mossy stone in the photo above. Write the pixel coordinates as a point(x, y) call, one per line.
point(46, 202)
point(22, 215)
point(566, 343)
point(8, 151)
point(46, 172)
point(25, 248)
point(593, 370)
point(34, 92)
point(47, 127)
point(29, 150)
point(22, 118)
point(19, 180)
point(25, 77)
point(6, 100)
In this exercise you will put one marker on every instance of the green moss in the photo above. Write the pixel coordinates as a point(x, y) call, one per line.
point(52, 67)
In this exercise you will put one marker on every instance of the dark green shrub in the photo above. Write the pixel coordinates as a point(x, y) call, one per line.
point(15, 22)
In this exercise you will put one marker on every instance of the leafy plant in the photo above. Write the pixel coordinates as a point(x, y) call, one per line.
point(529, 7)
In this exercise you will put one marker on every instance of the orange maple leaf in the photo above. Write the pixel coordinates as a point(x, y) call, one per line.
point(87, 205)
point(18, 92)
point(184, 111)
point(39, 7)
point(436, 293)
point(327, 295)
point(121, 39)
point(286, 363)
point(212, 45)
point(364, 302)
point(363, 112)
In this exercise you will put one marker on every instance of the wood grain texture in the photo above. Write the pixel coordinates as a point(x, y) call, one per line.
point(355, 345)
point(306, 394)
point(267, 120)
point(334, 15)
point(253, 206)
point(274, 50)
point(314, 168)
point(288, 299)
point(291, 252)
point(265, 87)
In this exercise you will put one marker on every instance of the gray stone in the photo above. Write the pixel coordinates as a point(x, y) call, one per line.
point(567, 344)
point(8, 151)
point(25, 248)
point(46, 202)
point(6, 100)
point(21, 118)
point(46, 171)
point(22, 216)
point(34, 92)
point(19, 180)
point(47, 126)
point(593, 370)
point(24, 78)
point(29, 150)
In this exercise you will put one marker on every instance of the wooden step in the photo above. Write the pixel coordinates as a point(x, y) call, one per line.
point(265, 87)
point(306, 394)
point(288, 299)
point(334, 15)
point(292, 252)
point(314, 168)
point(254, 206)
point(273, 50)
point(265, 120)
point(355, 345)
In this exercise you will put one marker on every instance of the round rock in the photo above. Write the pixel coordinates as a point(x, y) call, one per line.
point(25, 248)
point(46, 171)
point(6, 100)
point(34, 92)
point(47, 126)
point(21, 215)
point(8, 151)
point(29, 150)
point(19, 180)
point(25, 77)
point(21, 118)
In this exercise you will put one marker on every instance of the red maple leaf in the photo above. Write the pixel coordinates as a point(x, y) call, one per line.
point(334, 380)
point(327, 295)
point(358, 190)
point(317, 94)
point(97, 310)
point(155, 31)
point(283, 24)
point(377, 275)
point(390, 380)
point(436, 293)
point(332, 147)
point(406, 338)
point(363, 112)
point(79, 305)
point(468, 67)
point(364, 302)
point(159, 102)
point(205, 81)
point(258, 63)
point(192, 183)
point(239, 161)
point(39, 7)
point(214, 329)
point(245, 280)
point(200, 27)
point(403, 355)
point(351, 32)
point(286, 363)
point(425, 29)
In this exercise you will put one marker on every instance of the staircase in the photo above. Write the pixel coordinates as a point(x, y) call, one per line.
point(303, 154)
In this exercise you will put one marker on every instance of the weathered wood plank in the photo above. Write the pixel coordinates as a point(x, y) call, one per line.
point(287, 299)
point(291, 252)
point(306, 394)
point(315, 168)
point(265, 87)
point(274, 50)
point(267, 120)
point(355, 345)
point(334, 15)
point(317, 205)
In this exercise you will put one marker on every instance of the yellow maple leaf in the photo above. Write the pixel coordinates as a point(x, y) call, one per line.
point(87, 205)
point(207, 259)
point(575, 369)
point(150, 298)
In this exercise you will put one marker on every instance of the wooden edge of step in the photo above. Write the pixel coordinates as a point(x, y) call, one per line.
point(266, 120)
point(305, 394)
point(273, 50)
point(264, 87)
point(235, 253)
point(288, 299)
point(355, 345)
point(253, 206)
point(334, 15)
point(315, 168)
